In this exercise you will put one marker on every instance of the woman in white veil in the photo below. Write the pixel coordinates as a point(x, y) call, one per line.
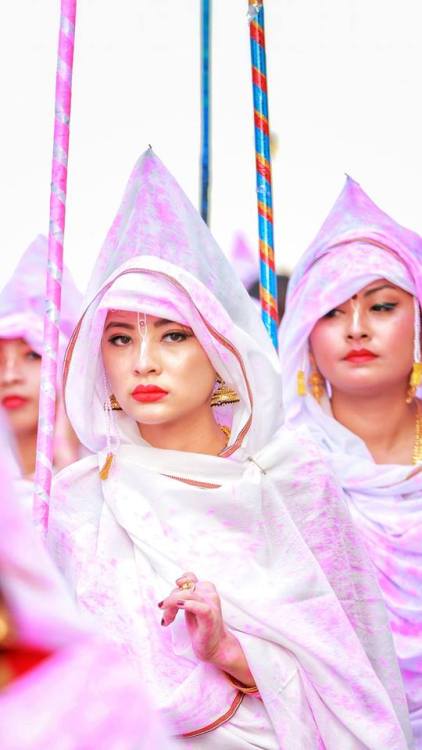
point(360, 283)
point(62, 685)
point(216, 551)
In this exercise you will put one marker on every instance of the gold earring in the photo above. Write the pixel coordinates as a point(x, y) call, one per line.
point(224, 395)
point(414, 382)
point(316, 381)
point(114, 404)
point(300, 383)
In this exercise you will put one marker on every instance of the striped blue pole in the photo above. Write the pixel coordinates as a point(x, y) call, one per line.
point(205, 107)
point(268, 277)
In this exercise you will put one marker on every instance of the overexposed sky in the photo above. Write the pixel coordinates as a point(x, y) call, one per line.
point(345, 80)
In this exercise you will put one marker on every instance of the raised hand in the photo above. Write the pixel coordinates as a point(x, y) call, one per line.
point(211, 640)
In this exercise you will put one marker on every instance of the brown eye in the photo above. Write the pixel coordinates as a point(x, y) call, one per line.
point(332, 313)
point(175, 336)
point(32, 355)
point(120, 340)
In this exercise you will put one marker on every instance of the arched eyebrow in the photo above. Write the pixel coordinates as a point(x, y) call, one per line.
point(130, 327)
point(119, 324)
point(378, 289)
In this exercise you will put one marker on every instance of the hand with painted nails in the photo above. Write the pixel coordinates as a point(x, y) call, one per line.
point(211, 640)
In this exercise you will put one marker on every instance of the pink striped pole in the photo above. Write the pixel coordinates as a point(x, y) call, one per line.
point(47, 407)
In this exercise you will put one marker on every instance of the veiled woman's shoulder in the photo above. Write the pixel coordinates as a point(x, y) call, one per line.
point(296, 443)
point(84, 469)
point(75, 508)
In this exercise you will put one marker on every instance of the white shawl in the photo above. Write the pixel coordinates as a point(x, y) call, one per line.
point(265, 523)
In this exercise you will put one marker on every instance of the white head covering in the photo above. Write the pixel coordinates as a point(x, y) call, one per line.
point(22, 311)
point(263, 522)
point(22, 300)
point(358, 244)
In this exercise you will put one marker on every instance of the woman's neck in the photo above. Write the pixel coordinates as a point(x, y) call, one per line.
point(27, 450)
point(195, 433)
point(385, 423)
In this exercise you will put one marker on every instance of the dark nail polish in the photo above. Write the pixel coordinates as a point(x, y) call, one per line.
point(163, 622)
point(160, 604)
point(180, 604)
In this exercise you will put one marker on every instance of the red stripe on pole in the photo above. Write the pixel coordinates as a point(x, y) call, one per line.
point(261, 122)
point(268, 260)
point(265, 211)
point(259, 79)
point(263, 167)
point(270, 308)
point(257, 34)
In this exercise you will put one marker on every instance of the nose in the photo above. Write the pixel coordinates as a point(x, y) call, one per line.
point(10, 370)
point(356, 325)
point(357, 335)
point(146, 360)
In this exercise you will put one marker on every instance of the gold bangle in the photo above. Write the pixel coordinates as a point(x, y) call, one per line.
point(240, 686)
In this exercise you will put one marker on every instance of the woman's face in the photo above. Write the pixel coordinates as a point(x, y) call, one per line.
point(366, 343)
point(156, 368)
point(20, 369)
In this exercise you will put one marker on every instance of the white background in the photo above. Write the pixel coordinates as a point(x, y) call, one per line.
point(345, 80)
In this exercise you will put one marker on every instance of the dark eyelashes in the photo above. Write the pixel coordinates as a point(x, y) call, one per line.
point(122, 338)
point(384, 306)
point(377, 307)
point(119, 338)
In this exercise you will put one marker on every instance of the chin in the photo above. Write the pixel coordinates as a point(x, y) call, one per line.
point(362, 388)
point(148, 414)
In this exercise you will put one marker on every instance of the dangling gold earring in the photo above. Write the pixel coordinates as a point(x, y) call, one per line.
point(316, 381)
point(416, 374)
point(301, 383)
point(114, 404)
point(414, 382)
point(224, 395)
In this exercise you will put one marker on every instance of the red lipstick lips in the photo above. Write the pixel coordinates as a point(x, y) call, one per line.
point(147, 394)
point(13, 402)
point(360, 356)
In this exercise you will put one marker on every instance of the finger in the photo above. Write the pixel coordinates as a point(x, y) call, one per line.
point(178, 596)
point(173, 591)
point(205, 614)
point(206, 587)
point(170, 612)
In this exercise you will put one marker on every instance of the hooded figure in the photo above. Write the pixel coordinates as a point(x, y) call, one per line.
point(22, 299)
point(359, 244)
point(262, 521)
point(61, 685)
point(22, 310)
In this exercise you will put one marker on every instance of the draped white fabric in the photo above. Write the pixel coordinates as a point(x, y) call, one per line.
point(79, 692)
point(270, 531)
point(359, 244)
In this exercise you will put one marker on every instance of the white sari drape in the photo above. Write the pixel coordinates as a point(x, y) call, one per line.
point(357, 245)
point(263, 521)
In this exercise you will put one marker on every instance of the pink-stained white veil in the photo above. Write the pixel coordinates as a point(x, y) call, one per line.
point(83, 693)
point(22, 299)
point(264, 521)
point(358, 244)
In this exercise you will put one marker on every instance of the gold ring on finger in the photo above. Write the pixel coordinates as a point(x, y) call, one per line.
point(187, 586)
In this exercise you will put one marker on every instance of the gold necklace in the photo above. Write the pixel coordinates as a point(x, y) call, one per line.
point(417, 448)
